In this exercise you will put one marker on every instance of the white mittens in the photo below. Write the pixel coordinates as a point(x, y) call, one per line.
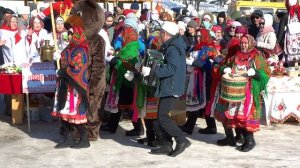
point(56, 55)
point(189, 61)
point(146, 71)
point(129, 75)
point(227, 70)
point(251, 72)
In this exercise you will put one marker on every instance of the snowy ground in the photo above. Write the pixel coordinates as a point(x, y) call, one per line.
point(277, 146)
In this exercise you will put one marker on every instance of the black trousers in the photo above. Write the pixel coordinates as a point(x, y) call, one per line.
point(168, 127)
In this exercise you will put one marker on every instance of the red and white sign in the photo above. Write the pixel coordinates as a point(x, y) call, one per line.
point(38, 77)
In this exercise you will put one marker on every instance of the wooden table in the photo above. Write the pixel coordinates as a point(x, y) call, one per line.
point(11, 84)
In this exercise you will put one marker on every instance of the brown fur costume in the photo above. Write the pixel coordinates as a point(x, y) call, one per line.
point(89, 15)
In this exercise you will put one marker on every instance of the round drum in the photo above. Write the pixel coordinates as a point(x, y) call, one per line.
point(233, 88)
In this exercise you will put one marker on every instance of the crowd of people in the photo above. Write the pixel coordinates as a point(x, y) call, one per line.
point(198, 51)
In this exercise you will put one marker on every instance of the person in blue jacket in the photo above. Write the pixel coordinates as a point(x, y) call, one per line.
point(171, 86)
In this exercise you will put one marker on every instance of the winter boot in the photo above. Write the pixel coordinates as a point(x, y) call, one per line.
point(229, 140)
point(137, 130)
point(68, 136)
point(84, 138)
point(238, 135)
point(188, 127)
point(211, 126)
point(150, 133)
point(113, 123)
point(165, 149)
point(159, 139)
point(249, 142)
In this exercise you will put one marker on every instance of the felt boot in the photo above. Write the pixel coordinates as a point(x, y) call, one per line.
point(229, 140)
point(188, 127)
point(68, 136)
point(249, 142)
point(137, 130)
point(84, 138)
point(113, 123)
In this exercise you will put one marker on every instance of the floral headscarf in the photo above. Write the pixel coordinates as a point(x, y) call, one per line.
point(243, 57)
point(251, 43)
point(129, 35)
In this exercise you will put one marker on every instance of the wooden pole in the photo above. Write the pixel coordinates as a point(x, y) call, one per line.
point(54, 33)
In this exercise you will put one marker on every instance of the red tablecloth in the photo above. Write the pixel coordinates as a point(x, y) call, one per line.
point(10, 83)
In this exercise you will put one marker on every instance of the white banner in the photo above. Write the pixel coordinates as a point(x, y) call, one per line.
point(38, 77)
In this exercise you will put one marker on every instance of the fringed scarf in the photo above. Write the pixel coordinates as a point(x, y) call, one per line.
point(74, 63)
point(128, 54)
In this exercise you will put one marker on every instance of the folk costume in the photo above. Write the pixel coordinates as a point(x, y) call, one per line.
point(72, 101)
point(244, 115)
point(83, 69)
point(153, 134)
point(124, 94)
point(199, 82)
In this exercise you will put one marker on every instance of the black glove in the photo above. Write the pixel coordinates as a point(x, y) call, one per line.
point(113, 61)
point(257, 75)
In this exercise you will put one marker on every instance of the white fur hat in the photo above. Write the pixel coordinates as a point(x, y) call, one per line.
point(170, 27)
point(181, 25)
point(24, 10)
point(268, 19)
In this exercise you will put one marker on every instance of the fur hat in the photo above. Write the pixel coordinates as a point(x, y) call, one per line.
point(222, 15)
point(206, 16)
point(170, 27)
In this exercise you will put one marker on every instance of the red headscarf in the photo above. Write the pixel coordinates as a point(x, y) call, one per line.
point(242, 57)
point(205, 39)
point(129, 35)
